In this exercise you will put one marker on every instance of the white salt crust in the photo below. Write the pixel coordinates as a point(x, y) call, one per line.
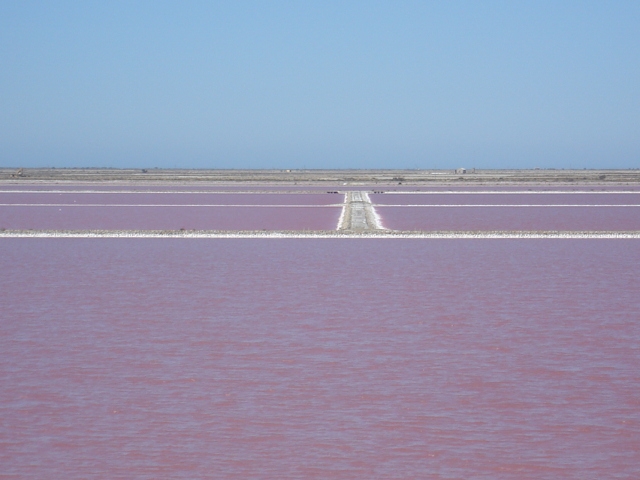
point(308, 234)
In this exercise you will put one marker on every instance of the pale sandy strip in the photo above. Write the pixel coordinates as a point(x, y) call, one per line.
point(305, 206)
point(343, 212)
point(157, 205)
point(510, 205)
point(326, 234)
point(515, 192)
point(376, 218)
point(175, 192)
point(323, 192)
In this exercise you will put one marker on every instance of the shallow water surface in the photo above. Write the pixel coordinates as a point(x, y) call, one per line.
point(163, 217)
point(487, 218)
point(176, 198)
point(524, 198)
point(326, 358)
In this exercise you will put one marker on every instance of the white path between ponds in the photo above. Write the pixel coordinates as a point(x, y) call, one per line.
point(345, 234)
point(358, 214)
point(333, 205)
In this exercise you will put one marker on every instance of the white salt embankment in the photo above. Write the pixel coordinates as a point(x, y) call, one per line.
point(390, 234)
point(358, 214)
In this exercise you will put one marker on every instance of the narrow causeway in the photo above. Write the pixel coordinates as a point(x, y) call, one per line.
point(358, 213)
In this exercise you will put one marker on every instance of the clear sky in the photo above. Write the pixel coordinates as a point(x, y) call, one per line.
point(304, 84)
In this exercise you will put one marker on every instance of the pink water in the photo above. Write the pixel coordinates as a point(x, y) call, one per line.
point(168, 218)
point(483, 218)
point(165, 198)
point(166, 187)
point(77, 210)
point(178, 358)
point(523, 198)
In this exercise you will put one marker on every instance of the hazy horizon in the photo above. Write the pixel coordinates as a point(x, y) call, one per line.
point(331, 85)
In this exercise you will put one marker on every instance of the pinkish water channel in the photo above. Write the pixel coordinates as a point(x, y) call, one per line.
point(487, 218)
point(193, 217)
point(522, 198)
point(327, 358)
point(166, 198)
point(168, 211)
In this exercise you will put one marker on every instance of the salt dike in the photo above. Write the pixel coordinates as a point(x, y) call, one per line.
point(342, 234)
point(358, 214)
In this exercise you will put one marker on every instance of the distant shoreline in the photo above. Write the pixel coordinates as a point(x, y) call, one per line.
point(372, 177)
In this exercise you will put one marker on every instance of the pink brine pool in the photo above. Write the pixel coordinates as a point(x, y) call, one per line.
point(168, 218)
point(118, 210)
point(168, 199)
point(483, 218)
point(523, 198)
point(325, 358)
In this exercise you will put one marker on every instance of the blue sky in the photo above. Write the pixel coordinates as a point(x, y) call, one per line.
point(302, 84)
